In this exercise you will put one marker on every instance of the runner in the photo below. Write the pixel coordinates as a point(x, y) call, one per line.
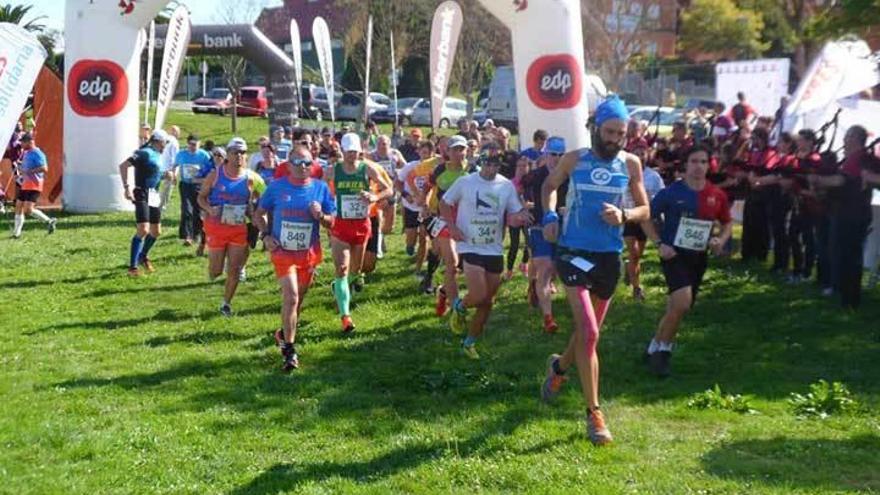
point(391, 161)
point(374, 249)
point(539, 140)
point(415, 178)
point(589, 245)
point(633, 235)
point(147, 163)
point(168, 157)
point(474, 209)
point(225, 197)
point(442, 179)
point(539, 291)
point(266, 166)
point(32, 176)
point(297, 206)
point(351, 181)
point(687, 210)
point(194, 164)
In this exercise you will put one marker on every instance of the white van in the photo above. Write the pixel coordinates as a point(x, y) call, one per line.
point(502, 95)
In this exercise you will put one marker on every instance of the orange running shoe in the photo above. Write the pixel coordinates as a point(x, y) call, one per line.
point(347, 324)
point(440, 308)
point(550, 325)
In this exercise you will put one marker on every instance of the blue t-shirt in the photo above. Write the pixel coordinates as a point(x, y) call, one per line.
point(680, 201)
point(147, 164)
point(33, 160)
point(288, 204)
point(593, 182)
point(531, 154)
point(193, 165)
point(282, 149)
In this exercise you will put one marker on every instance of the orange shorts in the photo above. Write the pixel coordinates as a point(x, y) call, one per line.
point(352, 231)
point(221, 236)
point(286, 263)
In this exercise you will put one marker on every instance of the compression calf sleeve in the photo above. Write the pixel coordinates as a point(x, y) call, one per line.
point(148, 244)
point(343, 295)
point(137, 245)
point(591, 327)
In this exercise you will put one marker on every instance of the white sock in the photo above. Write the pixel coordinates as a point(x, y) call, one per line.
point(653, 346)
point(19, 224)
point(42, 216)
point(664, 346)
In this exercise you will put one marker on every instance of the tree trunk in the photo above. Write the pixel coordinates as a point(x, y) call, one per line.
point(235, 116)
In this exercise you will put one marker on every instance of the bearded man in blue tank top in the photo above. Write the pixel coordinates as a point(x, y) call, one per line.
point(589, 239)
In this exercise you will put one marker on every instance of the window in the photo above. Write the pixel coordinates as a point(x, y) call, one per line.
point(350, 99)
point(424, 104)
point(654, 12)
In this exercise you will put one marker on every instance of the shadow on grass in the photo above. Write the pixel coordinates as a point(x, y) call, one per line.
point(816, 464)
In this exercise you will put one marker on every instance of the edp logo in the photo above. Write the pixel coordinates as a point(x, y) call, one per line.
point(97, 88)
point(555, 82)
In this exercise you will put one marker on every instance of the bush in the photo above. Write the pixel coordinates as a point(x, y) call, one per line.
point(713, 398)
point(823, 400)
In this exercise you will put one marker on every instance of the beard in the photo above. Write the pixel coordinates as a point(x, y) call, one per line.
point(606, 150)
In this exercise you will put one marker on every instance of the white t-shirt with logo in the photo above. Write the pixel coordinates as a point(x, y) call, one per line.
point(482, 209)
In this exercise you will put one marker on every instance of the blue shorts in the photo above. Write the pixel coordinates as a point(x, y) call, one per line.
point(540, 247)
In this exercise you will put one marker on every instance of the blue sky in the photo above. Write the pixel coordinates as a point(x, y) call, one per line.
point(203, 11)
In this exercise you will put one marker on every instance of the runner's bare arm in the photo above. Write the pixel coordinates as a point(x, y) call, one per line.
point(556, 178)
point(260, 220)
point(385, 188)
point(205, 191)
point(642, 210)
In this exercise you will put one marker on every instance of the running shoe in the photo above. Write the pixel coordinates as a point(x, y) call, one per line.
point(596, 429)
point(458, 319)
point(242, 275)
point(187, 242)
point(134, 272)
point(291, 360)
point(358, 283)
point(347, 324)
point(553, 382)
point(638, 294)
point(148, 265)
point(659, 363)
point(532, 294)
point(440, 307)
point(470, 351)
point(550, 325)
point(410, 250)
point(226, 310)
point(51, 227)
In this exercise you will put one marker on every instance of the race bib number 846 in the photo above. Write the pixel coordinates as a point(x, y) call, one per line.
point(693, 234)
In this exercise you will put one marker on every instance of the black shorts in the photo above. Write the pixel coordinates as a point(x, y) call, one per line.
point(411, 219)
point(143, 212)
point(600, 280)
point(492, 264)
point(685, 269)
point(29, 196)
point(373, 242)
point(634, 230)
point(253, 235)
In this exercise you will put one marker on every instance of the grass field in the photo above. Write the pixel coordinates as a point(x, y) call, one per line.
point(115, 385)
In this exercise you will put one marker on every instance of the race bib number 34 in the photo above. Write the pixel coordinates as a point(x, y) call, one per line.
point(296, 236)
point(483, 233)
point(353, 206)
point(233, 214)
point(693, 234)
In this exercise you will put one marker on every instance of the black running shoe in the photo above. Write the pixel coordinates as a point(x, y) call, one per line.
point(659, 363)
point(291, 360)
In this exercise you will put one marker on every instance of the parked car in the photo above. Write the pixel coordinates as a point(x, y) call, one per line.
point(453, 110)
point(252, 101)
point(694, 103)
point(216, 101)
point(349, 107)
point(660, 119)
point(405, 108)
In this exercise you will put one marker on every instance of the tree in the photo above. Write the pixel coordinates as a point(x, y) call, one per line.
point(615, 35)
point(480, 39)
point(846, 16)
point(235, 66)
point(721, 28)
point(16, 14)
point(786, 28)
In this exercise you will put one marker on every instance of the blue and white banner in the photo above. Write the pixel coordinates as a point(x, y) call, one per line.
point(21, 57)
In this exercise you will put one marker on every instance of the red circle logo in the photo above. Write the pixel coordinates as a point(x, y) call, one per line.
point(97, 88)
point(555, 82)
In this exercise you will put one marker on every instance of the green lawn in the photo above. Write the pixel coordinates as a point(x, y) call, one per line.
point(115, 385)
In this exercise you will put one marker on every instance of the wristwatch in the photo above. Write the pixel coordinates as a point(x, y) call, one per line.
point(624, 215)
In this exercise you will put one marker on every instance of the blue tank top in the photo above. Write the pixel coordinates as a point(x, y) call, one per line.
point(594, 181)
point(229, 191)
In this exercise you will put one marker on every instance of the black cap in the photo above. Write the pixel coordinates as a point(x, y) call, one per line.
point(192, 137)
point(26, 137)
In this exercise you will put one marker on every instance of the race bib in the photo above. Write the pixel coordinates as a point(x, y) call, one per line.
point(875, 198)
point(420, 182)
point(353, 206)
point(233, 214)
point(388, 165)
point(437, 226)
point(483, 232)
point(581, 264)
point(154, 200)
point(693, 234)
point(191, 171)
point(296, 236)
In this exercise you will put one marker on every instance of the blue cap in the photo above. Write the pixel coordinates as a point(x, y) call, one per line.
point(612, 108)
point(555, 144)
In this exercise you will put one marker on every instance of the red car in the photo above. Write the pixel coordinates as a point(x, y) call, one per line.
point(218, 101)
point(252, 101)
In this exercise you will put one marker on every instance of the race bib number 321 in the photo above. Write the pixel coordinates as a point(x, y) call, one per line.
point(353, 206)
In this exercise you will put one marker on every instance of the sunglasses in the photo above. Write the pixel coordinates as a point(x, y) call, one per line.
point(556, 154)
point(301, 162)
point(218, 155)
